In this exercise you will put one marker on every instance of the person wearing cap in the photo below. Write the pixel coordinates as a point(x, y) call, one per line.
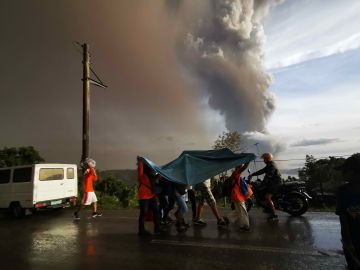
point(207, 196)
point(89, 198)
point(348, 209)
point(271, 182)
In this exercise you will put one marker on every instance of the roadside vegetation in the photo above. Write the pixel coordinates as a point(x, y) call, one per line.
point(118, 188)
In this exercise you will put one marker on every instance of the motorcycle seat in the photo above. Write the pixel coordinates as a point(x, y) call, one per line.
point(291, 185)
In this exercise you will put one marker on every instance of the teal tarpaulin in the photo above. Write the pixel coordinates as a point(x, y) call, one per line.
point(193, 167)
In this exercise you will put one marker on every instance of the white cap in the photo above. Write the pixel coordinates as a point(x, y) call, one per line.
point(91, 162)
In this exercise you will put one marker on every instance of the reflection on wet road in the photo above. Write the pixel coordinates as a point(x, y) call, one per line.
point(52, 240)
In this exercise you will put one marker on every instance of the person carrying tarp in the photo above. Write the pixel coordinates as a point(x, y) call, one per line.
point(240, 192)
point(192, 167)
point(206, 195)
point(147, 199)
point(179, 195)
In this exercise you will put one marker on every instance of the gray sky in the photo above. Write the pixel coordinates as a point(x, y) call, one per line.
point(313, 51)
point(146, 108)
point(164, 95)
point(179, 74)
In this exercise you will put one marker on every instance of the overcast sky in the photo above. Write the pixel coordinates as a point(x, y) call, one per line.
point(179, 74)
point(313, 53)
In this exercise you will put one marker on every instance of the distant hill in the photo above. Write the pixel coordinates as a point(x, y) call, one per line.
point(291, 172)
point(128, 177)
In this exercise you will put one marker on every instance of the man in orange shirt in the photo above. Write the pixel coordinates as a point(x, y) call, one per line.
point(89, 194)
point(147, 199)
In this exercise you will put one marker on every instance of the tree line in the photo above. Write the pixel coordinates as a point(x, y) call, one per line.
point(319, 175)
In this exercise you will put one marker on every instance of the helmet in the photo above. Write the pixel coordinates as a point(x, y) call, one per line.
point(267, 157)
point(90, 162)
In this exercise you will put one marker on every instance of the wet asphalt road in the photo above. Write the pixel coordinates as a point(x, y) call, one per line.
point(53, 240)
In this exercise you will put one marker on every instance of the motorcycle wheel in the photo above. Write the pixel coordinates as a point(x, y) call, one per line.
point(296, 205)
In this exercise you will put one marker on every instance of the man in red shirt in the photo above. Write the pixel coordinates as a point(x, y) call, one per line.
point(89, 194)
point(147, 199)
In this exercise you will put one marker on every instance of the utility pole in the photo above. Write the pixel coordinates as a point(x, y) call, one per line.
point(86, 101)
point(257, 147)
point(258, 151)
point(86, 97)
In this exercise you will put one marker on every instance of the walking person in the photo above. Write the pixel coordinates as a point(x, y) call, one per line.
point(89, 194)
point(147, 200)
point(206, 195)
point(179, 196)
point(192, 199)
point(271, 182)
point(167, 201)
point(238, 198)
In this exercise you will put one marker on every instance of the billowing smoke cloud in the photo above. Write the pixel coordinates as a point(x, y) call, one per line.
point(223, 47)
point(161, 59)
point(263, 142)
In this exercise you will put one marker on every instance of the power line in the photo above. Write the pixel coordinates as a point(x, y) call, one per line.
point(303, 159)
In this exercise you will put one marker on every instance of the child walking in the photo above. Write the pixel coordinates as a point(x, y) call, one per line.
point(89, 194)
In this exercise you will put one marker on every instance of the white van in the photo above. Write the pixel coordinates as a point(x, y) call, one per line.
point(37, 186)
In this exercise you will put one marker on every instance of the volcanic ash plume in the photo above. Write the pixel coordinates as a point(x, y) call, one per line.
point(223, 47)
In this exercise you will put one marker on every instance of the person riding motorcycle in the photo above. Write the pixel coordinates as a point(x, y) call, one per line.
point(271, 182)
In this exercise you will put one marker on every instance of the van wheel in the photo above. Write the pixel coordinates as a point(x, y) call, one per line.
point(16, 210)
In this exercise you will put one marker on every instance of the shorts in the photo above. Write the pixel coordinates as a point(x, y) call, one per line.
point(206, 195)
point(89, 198)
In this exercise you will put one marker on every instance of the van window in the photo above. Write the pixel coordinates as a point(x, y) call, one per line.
point(4, 176)
point(47, 174)
point(22, 175)
point(70, 173)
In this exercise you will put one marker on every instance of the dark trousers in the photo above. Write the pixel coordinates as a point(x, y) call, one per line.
point(164, 205)
point(192, 199)
point(170, 206)
point(145, 205)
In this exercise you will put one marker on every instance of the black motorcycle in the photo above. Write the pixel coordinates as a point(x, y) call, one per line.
point(290, 198)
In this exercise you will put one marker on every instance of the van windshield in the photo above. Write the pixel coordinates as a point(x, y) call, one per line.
point(47, 174)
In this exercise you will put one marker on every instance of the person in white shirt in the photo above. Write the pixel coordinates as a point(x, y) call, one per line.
point(206, 195)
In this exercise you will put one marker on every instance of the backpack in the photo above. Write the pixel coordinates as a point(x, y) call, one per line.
point(244, 186)
point(228, 186)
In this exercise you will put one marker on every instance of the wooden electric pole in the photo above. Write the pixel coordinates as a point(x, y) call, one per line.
point(86, 99)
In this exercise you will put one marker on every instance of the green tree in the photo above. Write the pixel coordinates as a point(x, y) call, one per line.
point(306, 172)
point(321, 174)
point(231, 140)
point(111, 186)
point(24, 155)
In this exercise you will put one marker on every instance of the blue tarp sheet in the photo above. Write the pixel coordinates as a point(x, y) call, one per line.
point(193, 167)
